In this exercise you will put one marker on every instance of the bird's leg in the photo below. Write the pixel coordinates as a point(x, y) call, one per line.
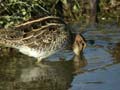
point(39, 60)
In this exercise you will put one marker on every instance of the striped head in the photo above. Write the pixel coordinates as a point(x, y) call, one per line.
point(79, 45)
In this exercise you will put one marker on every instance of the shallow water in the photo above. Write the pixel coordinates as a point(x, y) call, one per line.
point(98, 69)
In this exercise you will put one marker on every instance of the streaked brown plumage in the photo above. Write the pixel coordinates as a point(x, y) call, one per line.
point(38, 38)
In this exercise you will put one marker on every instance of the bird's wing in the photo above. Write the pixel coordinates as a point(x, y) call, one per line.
point(11, 34)
point(36, 33)
point(44, 36)
point(42, 32)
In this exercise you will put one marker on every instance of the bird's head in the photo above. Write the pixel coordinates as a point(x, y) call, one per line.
point(79, 44)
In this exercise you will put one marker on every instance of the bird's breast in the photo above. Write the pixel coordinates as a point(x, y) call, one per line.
point(29, 51)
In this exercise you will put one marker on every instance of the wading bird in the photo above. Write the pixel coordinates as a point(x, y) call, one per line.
point(41, 38)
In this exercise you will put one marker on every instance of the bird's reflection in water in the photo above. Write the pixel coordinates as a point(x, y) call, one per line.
point(26, 75)
point(116, 53)
point(53, 75)
point(78, 63)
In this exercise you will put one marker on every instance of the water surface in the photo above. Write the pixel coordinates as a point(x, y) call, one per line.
point(98, 69)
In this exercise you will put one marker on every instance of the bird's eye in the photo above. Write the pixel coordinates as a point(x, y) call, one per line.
point(83, 44)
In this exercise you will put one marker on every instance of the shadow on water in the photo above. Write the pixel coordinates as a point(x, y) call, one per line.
point(19, 72)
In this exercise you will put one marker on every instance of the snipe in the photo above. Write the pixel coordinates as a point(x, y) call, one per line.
point(38, 38)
